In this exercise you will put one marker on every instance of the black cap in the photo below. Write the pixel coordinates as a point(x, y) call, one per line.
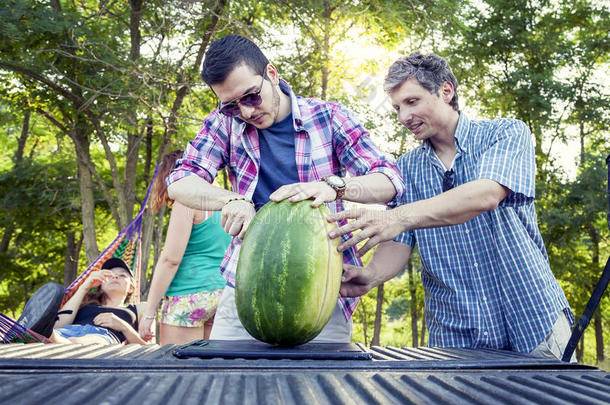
point(114, 262)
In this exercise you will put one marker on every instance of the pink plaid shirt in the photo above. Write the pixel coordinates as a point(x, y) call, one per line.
point(328, 140)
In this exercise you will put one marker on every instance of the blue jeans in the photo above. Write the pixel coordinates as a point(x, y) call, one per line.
point(75, 330)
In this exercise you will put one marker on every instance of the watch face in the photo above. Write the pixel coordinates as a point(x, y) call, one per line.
point(335, 181)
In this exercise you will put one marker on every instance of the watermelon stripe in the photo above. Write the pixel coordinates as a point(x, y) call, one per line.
point(288, 274)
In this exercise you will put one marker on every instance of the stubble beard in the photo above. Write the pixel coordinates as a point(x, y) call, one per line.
point(275, 103)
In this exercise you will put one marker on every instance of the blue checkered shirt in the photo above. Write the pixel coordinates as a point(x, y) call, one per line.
point(487, 281)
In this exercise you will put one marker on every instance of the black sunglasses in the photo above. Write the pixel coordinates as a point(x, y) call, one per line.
point(253, 99)
point(448, 179)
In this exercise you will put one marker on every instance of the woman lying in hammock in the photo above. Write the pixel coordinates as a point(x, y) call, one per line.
point(96, 313)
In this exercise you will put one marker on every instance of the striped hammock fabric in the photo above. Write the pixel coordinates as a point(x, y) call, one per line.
point(12, 332)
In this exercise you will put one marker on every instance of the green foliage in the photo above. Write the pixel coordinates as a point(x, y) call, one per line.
point(74, 69)
point(40, 202)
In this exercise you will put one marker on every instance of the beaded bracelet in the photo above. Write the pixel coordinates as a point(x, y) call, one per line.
point(150, 316)
point(239, 199)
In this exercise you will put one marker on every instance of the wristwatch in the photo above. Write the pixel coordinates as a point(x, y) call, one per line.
point(337, 183)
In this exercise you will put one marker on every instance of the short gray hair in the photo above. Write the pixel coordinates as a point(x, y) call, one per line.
point(430, 71)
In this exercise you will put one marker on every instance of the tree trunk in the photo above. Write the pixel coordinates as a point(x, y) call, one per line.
point(378, 315)
point(71, 260)
point(131, 167)
point(147, 236)
point(148, 158)
point(81, 141)
point(414, 309)
point(364, 323)
point(580, 348)
point(25, 131)
point(422, 342)
point(328, 11)
point(599, 336)
point(133, 136)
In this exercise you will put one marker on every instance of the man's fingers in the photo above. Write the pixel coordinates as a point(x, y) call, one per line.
point(319, 200)
point(347, 214)
point(244, 228)
point(234, 228)
point(349, 272)
point(282, 193)
point(300, 197)
point(367, 246)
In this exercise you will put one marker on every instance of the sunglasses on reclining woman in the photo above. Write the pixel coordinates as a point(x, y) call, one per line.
point(253, 99)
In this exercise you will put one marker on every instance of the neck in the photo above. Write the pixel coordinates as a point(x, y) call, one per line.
point(444, 142)
point(114, 300)
point(285, 106)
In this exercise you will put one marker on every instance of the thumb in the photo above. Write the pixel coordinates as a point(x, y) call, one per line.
point(349, 272)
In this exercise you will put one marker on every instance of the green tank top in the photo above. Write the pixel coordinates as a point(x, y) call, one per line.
point(199, 268)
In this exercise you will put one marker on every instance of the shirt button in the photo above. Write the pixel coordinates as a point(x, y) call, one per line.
point(467, 231)
point(476, 265)
point(485, 333)
point(484, 298)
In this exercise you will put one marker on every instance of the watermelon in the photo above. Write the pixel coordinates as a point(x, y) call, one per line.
point(288, 273)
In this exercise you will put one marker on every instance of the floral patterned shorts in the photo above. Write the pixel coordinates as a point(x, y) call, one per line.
point(191, 310)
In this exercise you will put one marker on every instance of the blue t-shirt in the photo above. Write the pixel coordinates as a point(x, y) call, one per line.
point(278, 164)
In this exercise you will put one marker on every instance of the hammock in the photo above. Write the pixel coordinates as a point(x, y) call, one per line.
point(13, 332)
point(126, 246)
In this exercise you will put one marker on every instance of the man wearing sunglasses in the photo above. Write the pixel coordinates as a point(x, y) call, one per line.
point(469, 206)
point(275, 145)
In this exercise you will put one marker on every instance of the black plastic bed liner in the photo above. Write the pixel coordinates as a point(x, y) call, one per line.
point(92, 374)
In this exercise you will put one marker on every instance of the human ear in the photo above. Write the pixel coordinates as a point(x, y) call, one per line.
point(447, 92)
point(273, 74)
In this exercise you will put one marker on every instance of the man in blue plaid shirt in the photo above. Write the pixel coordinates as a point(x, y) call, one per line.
point(469, 206)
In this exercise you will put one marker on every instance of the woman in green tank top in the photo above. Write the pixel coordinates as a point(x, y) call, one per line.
point(187, 276)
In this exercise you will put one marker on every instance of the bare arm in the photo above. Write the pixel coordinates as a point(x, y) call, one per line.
point(369, 188)
point(387, 261)
point(196, 193)
point(453, 207)
point(176, 240)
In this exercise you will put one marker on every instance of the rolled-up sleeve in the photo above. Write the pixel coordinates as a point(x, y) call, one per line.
point(359, 154)
point(510, 161)
point(207, 153)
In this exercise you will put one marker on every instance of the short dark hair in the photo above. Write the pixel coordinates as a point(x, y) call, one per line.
point(226, 53)
point(430, 71)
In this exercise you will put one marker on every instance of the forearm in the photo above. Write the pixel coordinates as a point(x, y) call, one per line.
point(389, 259)
point(132, 336)
point(453, 207)
point(73, 304)
point(196, 193)
point(162, 278)
point(369, 189)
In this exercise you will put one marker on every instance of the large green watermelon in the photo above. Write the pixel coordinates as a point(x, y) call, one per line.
point(288, 274)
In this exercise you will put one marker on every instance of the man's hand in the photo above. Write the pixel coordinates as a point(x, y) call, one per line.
point(319, 191)
point(375, 225)
point(356, 281)
point(236, 216)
